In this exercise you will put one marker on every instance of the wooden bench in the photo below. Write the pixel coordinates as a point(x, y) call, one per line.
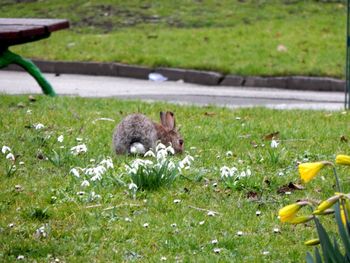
point(15, 31)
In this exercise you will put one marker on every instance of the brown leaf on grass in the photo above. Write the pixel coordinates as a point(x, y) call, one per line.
point(272, 135)
point(343, 138)
point(208, 113)
point(31, 98)
point(254, 144)
point(289, 188)
point(251, 195)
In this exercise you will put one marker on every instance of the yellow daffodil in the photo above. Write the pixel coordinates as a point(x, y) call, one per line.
point(342, 159)
point(312, 242)
point(289, 211)
point(299, 219)
point(342, 211)
point(308, 171)
point(327, 203)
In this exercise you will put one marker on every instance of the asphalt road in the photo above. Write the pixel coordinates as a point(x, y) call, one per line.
point(13, 82)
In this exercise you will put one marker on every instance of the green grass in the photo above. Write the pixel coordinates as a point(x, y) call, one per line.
point(232, 37)
point(80, 230)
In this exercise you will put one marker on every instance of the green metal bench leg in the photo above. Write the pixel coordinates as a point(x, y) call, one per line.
point(7, 57)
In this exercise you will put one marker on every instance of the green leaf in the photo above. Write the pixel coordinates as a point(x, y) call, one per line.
point(329, 252)
point(343, 233)
point(309, 258)
point(318, 255)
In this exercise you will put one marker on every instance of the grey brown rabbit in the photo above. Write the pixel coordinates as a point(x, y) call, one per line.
point(138, 131)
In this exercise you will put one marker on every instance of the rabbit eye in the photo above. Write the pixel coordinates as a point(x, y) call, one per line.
point(181, 142)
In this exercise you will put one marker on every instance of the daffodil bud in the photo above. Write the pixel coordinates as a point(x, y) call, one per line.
point(289, 211)
point(308, 171)
point(299, 219)
point(342, 159)
point(312, 242)
point(328, 203)
point(325, 212)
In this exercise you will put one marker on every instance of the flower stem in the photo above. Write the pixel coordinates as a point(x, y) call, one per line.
point(337, 180)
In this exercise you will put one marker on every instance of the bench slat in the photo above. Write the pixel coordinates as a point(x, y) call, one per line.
point(50, 24)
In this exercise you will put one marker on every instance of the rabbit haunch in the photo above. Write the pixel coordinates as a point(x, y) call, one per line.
point(137, 134)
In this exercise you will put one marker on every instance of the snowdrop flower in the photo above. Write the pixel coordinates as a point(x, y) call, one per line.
point(170, 149)
point(239, 233)
point(60, 138)
point(173, 225)
point(225, 171)
point(11, 225)
point(201, 223)
point(214, 241)
point(258, 213)
point(160, 146)
point(176, 201)
point(145, 225)
point(75, 172)
point(217, 250)
point(162, 154)
point(5, 149)
point(78, 149)
point(95, 196)
point(20, 257)
point(150, 153)
point(79, 139)
point(10, 156)
point(274, 144)
point(29, 111)
point(265, 253)
point(39, 126)
point(21, 163)
point(133, 186)
point(229, 153)
point(96, 177)
point(108, 163)
point(85, 183)
point(163, 259)
point(127, 219)
point(80, 193)
point(276, 230)
point(41, 232)
point(211, 213)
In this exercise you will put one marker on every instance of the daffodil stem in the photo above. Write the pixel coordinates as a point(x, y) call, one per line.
point(337, 180)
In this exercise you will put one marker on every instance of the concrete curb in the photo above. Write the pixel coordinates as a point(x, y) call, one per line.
point(188, 75)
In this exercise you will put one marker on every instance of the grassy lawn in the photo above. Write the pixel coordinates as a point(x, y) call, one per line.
point(106, 224)
point(235, 37)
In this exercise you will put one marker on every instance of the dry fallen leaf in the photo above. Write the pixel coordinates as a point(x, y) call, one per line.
point(271, 136)
point(209, 113)
point(289, 188)
point(343, 138)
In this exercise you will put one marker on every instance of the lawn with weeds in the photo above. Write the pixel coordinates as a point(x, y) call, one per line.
point(53, 206)
point(253, 37)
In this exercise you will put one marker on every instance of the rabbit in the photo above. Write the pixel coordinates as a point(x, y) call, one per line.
point(136, 133)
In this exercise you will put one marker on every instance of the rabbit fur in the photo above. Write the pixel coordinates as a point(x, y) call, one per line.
point(136, 131)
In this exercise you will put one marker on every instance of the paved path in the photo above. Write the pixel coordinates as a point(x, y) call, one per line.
point(12, 82)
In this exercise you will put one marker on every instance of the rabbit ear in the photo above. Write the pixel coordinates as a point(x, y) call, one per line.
point(163, 118)
point(170, 120)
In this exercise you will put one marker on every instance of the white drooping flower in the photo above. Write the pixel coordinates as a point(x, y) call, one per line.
point(5, 149)
point(85, 183)
point(150, 153)
point(133, 187)
point(60, 138)
point(170, 149)
point(274, 144)
point(75, 172)
point(10, 156)
point(81, 148)
point(39, 126)
point(160, 146)
point(108, 163)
